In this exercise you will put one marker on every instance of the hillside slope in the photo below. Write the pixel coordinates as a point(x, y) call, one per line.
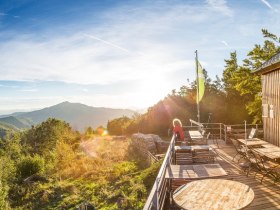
point(15, 122)
point(78, 115)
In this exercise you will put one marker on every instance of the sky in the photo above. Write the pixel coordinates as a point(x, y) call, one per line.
point(119, 54)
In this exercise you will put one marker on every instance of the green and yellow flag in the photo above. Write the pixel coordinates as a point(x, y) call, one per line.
point(200, 82)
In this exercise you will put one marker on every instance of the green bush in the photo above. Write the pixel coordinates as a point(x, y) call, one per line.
point(3, 196)
point(28, 166)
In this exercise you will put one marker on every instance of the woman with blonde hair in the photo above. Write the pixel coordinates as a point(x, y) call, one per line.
point(178, 130)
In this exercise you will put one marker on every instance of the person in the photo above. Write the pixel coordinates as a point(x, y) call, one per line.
point(178, 130)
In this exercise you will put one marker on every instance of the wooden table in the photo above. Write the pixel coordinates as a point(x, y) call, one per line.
point(195, 135)
point(182, 148)
point(194, 171)
point(270, 152)
point(201, 147)
point(213, 194)
point(193, 147)
point(268, 145)
point(197, 138)
point(252, 142)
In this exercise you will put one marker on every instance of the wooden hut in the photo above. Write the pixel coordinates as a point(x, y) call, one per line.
point(270, 77)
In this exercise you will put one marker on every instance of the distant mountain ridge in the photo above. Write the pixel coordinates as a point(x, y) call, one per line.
point(78, 115)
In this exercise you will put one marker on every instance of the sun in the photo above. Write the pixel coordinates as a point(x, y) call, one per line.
point(151, 91)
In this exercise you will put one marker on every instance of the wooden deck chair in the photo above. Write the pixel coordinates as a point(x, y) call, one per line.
point(253, 133)
point(249, 162)
point(266, 168)
point(239, 150)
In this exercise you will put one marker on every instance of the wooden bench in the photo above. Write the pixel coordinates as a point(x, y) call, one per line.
point(203, 155)
point(185, 155)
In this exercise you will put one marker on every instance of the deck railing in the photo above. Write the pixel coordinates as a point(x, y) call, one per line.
point(221, 130)
point(158, 192)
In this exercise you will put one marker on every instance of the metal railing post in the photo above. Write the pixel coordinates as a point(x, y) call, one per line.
point(225, 130)
point(157, 194)
point(220, 130)
point(257, 130)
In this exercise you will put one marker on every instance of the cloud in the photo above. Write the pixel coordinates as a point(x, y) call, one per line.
point(108, 43)
point(269, 5)
point(220, 6)
point(5, 14)
point(76, 58)
point(225, 43)
point(9, 86)
point(85, 90)
point(29, 90)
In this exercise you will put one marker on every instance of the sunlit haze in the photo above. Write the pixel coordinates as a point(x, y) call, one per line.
point(119, 54)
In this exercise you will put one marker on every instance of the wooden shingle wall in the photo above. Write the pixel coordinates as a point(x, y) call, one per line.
point(271, 97)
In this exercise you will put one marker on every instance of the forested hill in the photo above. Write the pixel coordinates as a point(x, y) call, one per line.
point(78, 115)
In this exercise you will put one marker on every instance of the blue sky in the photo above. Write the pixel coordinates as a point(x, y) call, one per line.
point(120, 54)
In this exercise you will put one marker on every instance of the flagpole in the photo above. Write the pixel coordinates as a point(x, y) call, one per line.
point(197, 87)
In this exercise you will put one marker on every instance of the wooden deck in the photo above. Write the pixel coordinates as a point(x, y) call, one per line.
point(267, 193)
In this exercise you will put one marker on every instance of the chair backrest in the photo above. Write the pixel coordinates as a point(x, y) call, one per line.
point(252, 133)
point(259, 160)
point(203, 132)
point(235, 143)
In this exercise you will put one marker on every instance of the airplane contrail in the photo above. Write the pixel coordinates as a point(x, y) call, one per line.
point(108, 43)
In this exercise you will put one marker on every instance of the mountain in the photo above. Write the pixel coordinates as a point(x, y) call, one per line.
point(12, 124)
point(78, 115)
point(15, 122)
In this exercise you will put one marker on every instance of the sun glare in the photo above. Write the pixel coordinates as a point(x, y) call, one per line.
point(105, 133)
point(151, 91)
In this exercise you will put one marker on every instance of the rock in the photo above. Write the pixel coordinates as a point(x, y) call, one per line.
point(150, 142)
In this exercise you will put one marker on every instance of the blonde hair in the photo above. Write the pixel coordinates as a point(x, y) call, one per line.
point(176, 121)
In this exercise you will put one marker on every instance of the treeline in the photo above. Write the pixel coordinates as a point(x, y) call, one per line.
point(231, 99)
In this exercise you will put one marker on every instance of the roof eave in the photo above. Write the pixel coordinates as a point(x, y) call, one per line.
point(267, 69)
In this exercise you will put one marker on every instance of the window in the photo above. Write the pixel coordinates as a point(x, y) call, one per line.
point(265, 110)
point(271, 112)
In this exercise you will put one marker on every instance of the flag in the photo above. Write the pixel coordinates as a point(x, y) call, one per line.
point(201, 81)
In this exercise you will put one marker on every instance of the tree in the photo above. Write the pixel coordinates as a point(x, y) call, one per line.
point(235, 103)
point(28, 166)
point(43, 137)
point(3, 196)
point(89, 132)
point(248, 84)
point(118, 126)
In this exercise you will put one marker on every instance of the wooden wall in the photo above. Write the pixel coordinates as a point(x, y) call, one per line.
point(271, 96)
